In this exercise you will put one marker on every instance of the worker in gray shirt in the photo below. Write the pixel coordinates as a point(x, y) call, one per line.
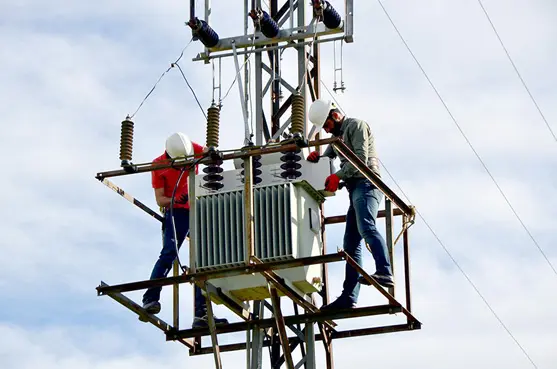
point(364, 197)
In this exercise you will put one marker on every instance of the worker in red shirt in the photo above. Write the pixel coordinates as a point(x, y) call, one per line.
point(164, 182)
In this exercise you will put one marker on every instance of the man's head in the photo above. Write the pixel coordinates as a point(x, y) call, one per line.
point(178, 144)
point(323, 114)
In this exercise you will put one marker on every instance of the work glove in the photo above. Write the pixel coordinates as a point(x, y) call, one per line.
point(331, 183)
point(313, 157)
point(183, 199)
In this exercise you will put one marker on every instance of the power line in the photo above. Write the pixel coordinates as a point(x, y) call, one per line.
point(462, 271)
point(240, 69)
point(332, 96)
point(160, 78)
point(451, 256)
point(191, 89)
point(468, 141)
point(516, 70)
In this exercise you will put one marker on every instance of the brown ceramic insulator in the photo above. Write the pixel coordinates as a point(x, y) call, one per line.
point(298, 114)
point(126, 140)
point(213, 121)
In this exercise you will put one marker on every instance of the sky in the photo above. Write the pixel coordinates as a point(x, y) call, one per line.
point(71, 71)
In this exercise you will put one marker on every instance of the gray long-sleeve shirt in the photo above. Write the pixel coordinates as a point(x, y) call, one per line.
point(357, 135)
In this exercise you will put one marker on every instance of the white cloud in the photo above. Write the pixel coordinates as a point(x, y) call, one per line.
point(73, 71)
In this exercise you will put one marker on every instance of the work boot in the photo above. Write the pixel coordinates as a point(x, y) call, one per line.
point(383, 279)
point(153, 307)
point(340, 303)
point(203, 322)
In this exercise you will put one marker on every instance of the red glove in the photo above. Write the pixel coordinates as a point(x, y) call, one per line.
point(183, 199)
point(313, 157)
point(331, 183)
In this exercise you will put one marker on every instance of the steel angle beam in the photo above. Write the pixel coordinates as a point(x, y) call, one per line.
point(144, 315)
point(104, 289)
point(318, 337)
point(319, 316)
point(342, 218)
point(238, 307)
point(285, 36)
point(371, 281)
point(279, 319)
point(371, 176)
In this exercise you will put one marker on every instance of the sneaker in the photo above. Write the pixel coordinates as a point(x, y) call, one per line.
point(203, 322)
point(383, 280)
point(153, 307)
point(340, 303)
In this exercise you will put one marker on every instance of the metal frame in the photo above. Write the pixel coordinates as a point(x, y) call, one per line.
point(272, 331)
point(254, 322)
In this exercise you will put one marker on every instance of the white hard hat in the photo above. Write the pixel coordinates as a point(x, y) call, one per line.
point(319, 111)
point(178, 144)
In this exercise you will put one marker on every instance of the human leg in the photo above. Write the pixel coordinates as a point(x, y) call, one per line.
point(366, 199)
point(351, 245)
point(168, 253)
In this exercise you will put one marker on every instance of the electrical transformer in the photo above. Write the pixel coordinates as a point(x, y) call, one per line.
point(287, 225)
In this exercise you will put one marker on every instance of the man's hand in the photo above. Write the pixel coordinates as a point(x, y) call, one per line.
point(331, 183)
point(314, 156)
point(183, 199)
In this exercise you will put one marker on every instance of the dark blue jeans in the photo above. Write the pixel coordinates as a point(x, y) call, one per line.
point(360, 223)
point(168, 255)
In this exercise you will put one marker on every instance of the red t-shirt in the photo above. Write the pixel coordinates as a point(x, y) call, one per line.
point(167, 178)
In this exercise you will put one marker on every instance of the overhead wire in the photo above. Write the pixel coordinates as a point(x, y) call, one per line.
point(160, 78)
point(455, 262)
point(449, 254)
point(516, 70)
point(332, 96)
point(531, 236)
point(304, 80)
point(241, 67)
point(191, 89)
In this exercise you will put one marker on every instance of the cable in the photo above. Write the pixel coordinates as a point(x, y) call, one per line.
point(250, 100)
point(469, 143)
point(516, 70)
point(182, 171)
point(462, 271)
point(191, 89)
point(162, 75)
point(304, 80)
point(457, 264)
point(240, 69)
point(332, 96)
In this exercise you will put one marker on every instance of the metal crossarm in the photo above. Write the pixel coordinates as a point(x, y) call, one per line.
point(104, 289)
point(320, 316)
point(154, 320)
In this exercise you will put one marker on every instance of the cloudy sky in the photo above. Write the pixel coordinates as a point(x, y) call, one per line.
point(71, 71)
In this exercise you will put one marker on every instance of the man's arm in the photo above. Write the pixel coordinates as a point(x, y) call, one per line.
point(330, 152)
point(162, 200)
point(359, 143)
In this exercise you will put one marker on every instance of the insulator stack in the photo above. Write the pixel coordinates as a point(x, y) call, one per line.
point(213, 170)
point(126, 141)
point(213, 121)
point(213, 178)
point(269, 27)
point(255, 172)
point(298, 114)
point(203, 31)
point(331, 18)
point(290, 168)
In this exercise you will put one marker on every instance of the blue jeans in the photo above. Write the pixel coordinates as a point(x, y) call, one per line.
point(168, 255)
point(360, 223)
